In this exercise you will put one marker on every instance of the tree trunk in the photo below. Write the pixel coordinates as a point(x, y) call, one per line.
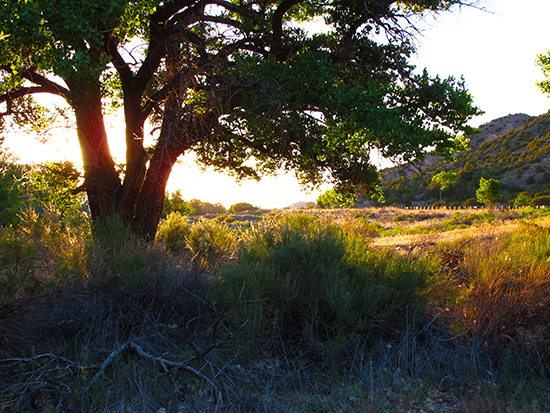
point(136, 158)
point(150, 201)
point(101, 180)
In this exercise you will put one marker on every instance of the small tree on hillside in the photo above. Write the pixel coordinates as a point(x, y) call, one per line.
point(489, 192)
point(523, 199)
point(444, 180)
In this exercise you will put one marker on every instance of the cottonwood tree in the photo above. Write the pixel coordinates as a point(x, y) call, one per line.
point(239, 83)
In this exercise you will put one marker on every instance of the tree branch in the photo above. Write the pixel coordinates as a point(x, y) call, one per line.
point(14, 94)
point(46, 85)
point(277, 28)
point(236, 9)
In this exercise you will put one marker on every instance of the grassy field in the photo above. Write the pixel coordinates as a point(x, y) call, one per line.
point(359, 310)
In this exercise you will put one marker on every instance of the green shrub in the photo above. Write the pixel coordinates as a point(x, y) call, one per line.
point(11, 188)
point(470, 202)
point(172, 232)
point(308, 280)
point(242, 207)
point(42, 251)
point(174, 202)
point(489, 192)
point(16, 263)
point(51, 186)
point(459, 220)
point(211, 241)
point(541, 200)
point(403, 217)
point(522, 199)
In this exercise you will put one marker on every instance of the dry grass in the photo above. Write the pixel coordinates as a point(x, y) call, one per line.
point(410, 242)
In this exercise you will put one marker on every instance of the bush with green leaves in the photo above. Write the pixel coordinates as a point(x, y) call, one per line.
point(52, 185)
point(174, 202)
point(211, 241)
point(522, 199)
point(307, 279)
point(334, 199)
point(42, 251)
point(172, 232)
point(115, 254)
point(11, 188)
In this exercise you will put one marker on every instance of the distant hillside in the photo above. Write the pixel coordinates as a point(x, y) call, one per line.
point(514, 149)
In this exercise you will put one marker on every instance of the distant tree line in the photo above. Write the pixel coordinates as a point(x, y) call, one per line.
point(174, 202)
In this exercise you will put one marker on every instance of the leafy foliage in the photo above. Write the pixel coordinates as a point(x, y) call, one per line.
point(242, 207)
point(445, 180)
point(523, 199)
point(174, 202)
point(211, 241)
point(11, 187)
point(334, 199)
point(51, 185)
point(173, 231)
point(543, 60)
point(489, 192)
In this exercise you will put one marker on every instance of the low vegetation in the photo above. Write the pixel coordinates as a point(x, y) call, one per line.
point(334, 310)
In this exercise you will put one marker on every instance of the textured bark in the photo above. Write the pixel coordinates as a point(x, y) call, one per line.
point(101, 180)
point(136, 159)
point(150, 201)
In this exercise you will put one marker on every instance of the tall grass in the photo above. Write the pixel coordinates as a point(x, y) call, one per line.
point(505, 300)
point(48, 250)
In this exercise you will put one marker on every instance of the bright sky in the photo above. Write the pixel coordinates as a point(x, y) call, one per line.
point(494, 50)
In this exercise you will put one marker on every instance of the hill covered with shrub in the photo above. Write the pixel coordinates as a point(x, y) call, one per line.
point(514, 149)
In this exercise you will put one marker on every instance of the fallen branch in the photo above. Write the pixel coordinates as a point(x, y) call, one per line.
point(162, 361)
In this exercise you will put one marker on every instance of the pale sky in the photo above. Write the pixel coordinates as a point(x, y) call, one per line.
point(495, 51)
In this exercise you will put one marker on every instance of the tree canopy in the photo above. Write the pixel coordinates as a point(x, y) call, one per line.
point(333, 199)
point(240, 83)
point(543, 60)
point(445, 180)
point(489, 192)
